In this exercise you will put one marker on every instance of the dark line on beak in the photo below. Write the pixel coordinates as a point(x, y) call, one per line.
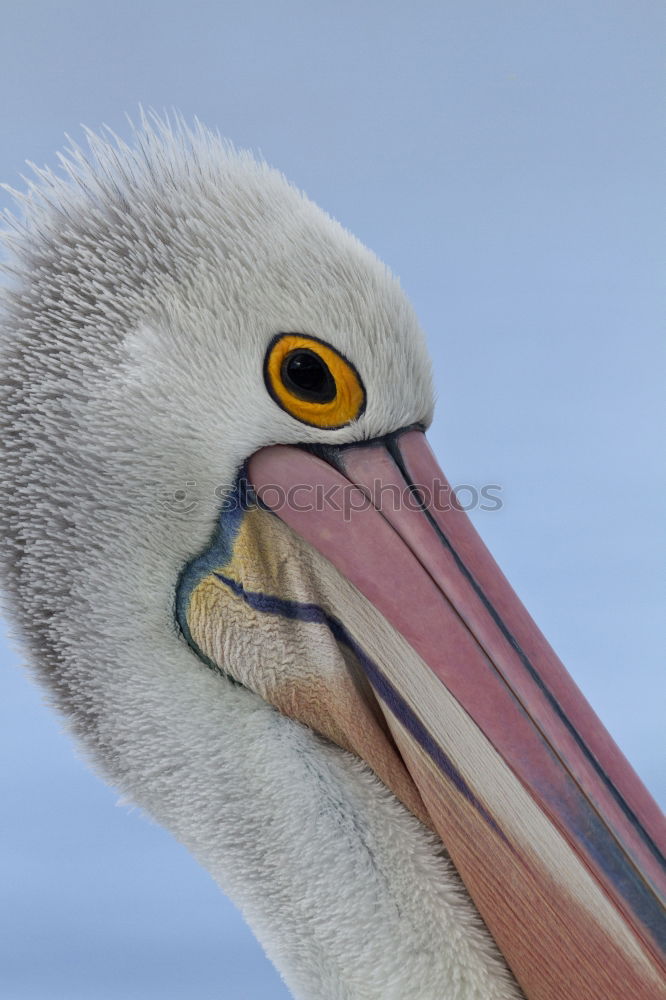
point(315, 614)
point(393, 448)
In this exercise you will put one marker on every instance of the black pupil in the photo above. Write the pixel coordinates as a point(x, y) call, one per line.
point(307, 376)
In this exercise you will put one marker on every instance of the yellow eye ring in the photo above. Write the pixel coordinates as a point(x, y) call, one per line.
point(312, 381)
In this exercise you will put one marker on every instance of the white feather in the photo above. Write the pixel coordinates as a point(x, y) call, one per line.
point(146, 284)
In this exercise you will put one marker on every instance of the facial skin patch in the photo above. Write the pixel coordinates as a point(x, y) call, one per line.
point(263, 583)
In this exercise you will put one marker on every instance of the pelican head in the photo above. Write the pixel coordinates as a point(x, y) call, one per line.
point(238, 569)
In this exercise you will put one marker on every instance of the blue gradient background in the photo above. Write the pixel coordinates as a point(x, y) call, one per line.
point(505, 160)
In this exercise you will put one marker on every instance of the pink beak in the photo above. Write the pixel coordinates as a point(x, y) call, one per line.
point(553, 833)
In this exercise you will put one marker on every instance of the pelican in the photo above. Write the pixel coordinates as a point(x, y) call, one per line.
point(235, 565)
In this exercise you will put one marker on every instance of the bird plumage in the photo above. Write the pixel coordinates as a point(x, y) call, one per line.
point(145, 284)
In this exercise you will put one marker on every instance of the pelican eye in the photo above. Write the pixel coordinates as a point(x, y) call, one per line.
point(307, 376)
point(312, 381)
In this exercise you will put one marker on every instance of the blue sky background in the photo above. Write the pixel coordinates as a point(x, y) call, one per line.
point(505, 160)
